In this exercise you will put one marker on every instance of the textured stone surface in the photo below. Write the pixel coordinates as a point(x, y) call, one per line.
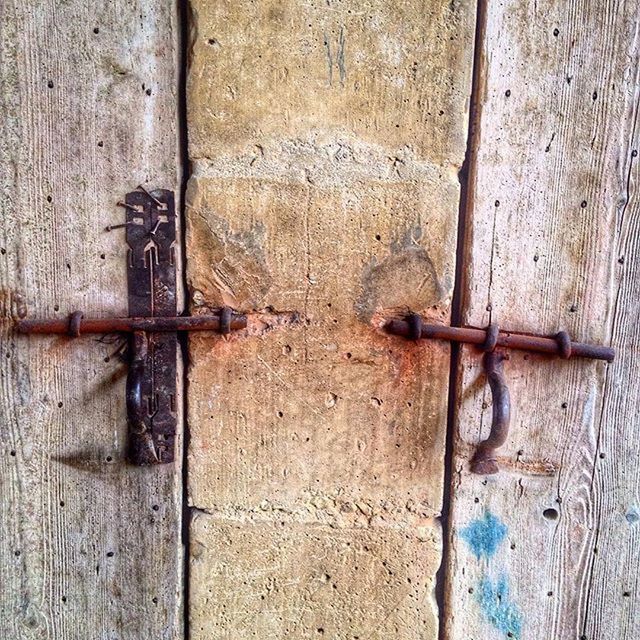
point(282, 580)
point(327, 401)
point(390, 73)
point(325, 140)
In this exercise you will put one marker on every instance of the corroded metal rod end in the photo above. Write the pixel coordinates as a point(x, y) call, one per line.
point(484, 463)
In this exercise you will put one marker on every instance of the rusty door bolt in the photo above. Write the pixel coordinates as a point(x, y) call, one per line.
point(77, 325)
point(413, 327)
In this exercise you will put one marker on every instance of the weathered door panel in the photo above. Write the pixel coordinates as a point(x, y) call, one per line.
point(548, 548)
point(325, 142)
point(89, 545)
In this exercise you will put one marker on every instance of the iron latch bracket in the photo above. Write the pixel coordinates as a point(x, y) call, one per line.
point(152, 325)
point(151, 279)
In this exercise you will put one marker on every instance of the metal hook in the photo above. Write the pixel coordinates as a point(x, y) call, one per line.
point(484, 461)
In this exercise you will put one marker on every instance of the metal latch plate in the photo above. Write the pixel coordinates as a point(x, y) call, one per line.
point(151, 277)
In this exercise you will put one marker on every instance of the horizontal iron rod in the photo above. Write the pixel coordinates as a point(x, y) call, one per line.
point(127, 325)
point(506, 339)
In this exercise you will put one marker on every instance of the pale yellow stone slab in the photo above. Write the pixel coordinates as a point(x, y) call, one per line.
point(283, 580)
point(325, 140)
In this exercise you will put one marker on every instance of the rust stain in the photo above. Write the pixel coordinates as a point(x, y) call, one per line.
point(410, 358)
point(259, 323)
point(509, 464)
point(544, 468)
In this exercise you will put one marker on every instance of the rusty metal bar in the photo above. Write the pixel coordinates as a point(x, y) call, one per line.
point(78, 326)
point(553, 345)
point(484, 461)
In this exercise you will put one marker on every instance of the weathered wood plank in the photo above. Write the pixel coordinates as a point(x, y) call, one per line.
point(325, 140)
point(90, 547)
point(549, 547)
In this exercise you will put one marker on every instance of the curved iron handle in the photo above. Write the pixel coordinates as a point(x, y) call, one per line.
point(484, 461)
point(138, 355)
point(141, 447)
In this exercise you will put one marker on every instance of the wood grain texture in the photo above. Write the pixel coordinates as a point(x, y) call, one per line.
point(90, 546)
point(325, 140)
point(549, 547)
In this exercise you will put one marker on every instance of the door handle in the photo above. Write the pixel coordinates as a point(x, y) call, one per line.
point(484, 461)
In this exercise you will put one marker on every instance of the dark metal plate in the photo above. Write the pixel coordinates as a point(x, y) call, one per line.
point(151, 275)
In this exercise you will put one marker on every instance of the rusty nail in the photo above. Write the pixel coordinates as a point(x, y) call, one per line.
point(131, 207)
point(111, 227)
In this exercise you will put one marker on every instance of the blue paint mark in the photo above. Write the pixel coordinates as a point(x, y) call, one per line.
point(484, 535)
point(632, 516)
point(498, 607)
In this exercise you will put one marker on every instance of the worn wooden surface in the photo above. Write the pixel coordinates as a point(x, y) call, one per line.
point(549, 548)
point(89, 546)
point(325, 140)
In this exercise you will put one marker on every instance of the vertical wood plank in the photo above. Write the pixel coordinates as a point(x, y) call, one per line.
point(548, 548)
point(90, 546)
point(325, 139)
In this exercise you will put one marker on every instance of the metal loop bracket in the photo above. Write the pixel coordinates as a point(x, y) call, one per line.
point(564, 344)
point(74, 324)
point(415, 326)
point(491, 339)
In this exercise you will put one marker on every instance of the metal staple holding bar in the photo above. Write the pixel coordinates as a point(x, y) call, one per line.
point(413, 327)
point(75, 319)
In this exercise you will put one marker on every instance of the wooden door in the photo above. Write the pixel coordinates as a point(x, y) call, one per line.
point(332, 181)
point(549, 547)
point(89, 546)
